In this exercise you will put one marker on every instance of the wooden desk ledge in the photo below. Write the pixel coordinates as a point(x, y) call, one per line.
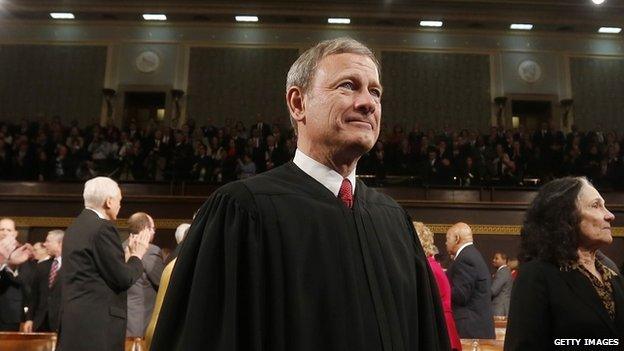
point(135, 344)
point(483, 344)
point(14, 341)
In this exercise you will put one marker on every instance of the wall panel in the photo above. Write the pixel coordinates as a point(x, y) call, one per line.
point(238, 84)
point(598, 92)
point(47, 80)
point(434, 88)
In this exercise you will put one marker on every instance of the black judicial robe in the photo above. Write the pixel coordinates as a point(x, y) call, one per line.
point(277, 262)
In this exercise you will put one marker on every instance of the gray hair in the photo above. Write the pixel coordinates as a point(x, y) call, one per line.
point(302, 72)
point(57, 234)
point(97, 190)
point(181, 231)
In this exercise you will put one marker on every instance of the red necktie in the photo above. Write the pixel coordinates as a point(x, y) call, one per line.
point(345, 193)
point(53, 272)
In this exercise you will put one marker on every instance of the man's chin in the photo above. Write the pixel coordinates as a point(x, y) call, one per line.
point(361, 146)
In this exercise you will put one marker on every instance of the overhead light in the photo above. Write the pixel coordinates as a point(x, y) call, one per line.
point(431, 23)
point(521, 26)
point(339, 20)
point(246, 18)
point(598, 2)
point(613, 30)
point(154, 17)
point(62, 15)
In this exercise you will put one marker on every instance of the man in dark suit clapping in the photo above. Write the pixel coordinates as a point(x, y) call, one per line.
point(95, 274)
point(44, 306)
point(13, 287)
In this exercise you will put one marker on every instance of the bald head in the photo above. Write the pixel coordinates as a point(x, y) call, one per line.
point(456, 236)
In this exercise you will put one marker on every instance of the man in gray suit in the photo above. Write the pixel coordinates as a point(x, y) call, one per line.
point(142, 295)
point(502, 282)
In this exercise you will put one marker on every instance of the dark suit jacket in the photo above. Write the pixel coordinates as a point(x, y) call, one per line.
point(11, 298)
point(548, 303)
point(45, 301)
point(94, 279)
point(471, 297)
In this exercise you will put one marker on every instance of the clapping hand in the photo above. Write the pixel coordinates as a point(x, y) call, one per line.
point(11, 254)
point(7, 245)
point(138, 244)
point(20, 254)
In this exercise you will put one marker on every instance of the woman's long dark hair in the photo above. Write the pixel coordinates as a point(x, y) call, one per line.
point(551, 226)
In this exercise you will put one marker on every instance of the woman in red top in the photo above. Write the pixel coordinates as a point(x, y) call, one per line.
point(426, 239)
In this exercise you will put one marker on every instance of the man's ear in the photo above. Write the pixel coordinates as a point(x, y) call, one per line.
point(296, 103)
point(107, 202)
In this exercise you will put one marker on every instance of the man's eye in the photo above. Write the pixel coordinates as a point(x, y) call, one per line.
point(347, 85)
point(376, 92)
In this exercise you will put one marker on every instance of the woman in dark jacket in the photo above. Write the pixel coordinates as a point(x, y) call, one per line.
point(563, 291)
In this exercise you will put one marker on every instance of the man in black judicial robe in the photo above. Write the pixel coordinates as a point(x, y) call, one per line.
point(298, 259)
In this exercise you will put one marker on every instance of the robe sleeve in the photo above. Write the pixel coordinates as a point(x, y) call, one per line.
point(214, 300)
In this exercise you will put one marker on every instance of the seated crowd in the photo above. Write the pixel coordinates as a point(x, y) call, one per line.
point(50, 151)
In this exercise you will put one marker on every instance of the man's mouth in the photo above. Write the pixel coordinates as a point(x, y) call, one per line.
point(362, 123)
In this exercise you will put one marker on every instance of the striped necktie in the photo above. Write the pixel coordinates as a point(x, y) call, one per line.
point(53, 273)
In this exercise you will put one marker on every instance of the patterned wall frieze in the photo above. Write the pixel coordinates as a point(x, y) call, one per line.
point(64, 222)
point(172, 223)
point(496, 229)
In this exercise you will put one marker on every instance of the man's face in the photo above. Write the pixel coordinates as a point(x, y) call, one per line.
point(7, 228)
point(498, 261)
point(53, 245)
point(343, 104)
point(113, 206)
point(39, 251)
point(151, 228)
point(451, 242)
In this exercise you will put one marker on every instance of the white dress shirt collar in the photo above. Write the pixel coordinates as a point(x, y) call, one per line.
point(461, 248)
point(330, 179)
point(97, 212)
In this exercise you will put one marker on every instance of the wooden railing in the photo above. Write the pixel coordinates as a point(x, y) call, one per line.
point(10, 341)
point(500, 327)
point(13, 341)
point(482, 345)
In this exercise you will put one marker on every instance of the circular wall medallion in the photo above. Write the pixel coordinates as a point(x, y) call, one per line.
point(530, 71)
point(147, 61)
